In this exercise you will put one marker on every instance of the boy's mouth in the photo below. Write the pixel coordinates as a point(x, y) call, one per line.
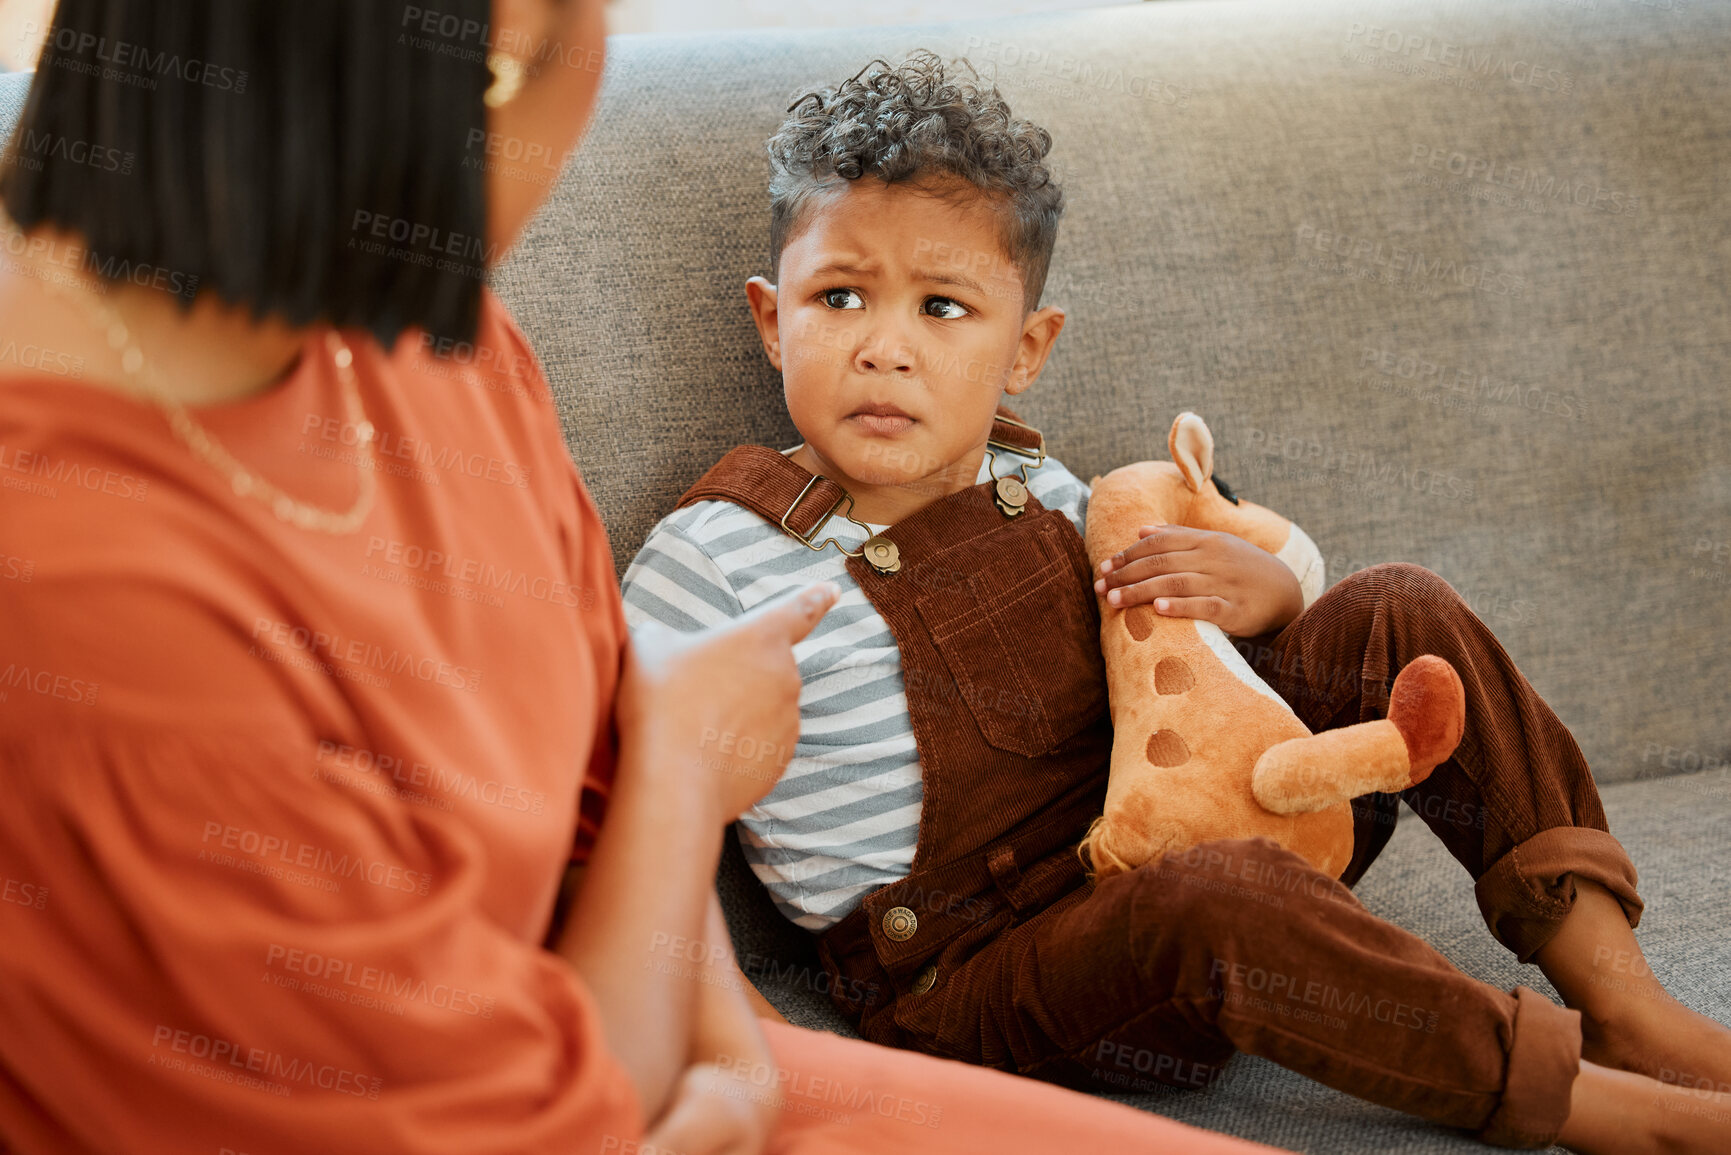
point(880, 418)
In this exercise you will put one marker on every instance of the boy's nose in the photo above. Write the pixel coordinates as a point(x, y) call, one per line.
point(885, 356)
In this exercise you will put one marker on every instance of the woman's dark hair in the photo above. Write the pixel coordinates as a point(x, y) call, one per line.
point(314, 159)
point(914, 122)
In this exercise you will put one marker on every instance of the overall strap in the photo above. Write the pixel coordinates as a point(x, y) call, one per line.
point(772, 486)
point(785, 493)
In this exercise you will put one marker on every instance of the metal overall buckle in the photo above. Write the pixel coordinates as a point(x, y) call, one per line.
point(879, 551)
point(1011, 493)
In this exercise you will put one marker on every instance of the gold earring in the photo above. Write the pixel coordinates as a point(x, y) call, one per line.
point(508, 73)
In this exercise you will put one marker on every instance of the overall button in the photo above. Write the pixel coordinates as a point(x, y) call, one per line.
point(926, 980)
point(900, 924)
point(881, 553)
point(1011, 495)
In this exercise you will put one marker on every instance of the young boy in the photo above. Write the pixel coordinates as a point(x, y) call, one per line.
point(954, 738)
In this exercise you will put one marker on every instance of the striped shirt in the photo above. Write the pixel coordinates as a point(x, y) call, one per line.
point(845, 817)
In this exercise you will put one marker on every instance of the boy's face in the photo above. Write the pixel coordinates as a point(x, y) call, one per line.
point(898, 326)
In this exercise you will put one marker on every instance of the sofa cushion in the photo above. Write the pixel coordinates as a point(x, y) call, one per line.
point(1672, 828)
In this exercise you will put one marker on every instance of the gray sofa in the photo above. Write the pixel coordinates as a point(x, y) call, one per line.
point(1448, 281)
point(1559, 465)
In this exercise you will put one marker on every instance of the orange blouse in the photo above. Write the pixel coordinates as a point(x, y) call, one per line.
point(284, 812)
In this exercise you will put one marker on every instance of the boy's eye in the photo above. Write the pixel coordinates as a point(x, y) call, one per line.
point(842, 299)
point(944, 308)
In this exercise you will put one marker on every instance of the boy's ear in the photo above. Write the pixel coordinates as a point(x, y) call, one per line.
point(1039, 332)
point(760, 294)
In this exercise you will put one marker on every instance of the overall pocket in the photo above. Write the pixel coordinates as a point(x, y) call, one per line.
point(1019, 634)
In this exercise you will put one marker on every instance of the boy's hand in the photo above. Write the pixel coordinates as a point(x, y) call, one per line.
point(1201, 573)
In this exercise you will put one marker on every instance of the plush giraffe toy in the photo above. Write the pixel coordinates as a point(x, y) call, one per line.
point(1204, 748)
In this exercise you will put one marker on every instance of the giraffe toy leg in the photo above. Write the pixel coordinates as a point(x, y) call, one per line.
point(1426, 716)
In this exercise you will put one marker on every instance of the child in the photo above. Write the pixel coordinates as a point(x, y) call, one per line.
point(954, 738)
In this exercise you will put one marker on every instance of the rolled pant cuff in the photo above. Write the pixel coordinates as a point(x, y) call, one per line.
point(1525, 895)
point(1544, 1058)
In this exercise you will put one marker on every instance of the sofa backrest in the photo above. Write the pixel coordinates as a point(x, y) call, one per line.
point(1448, 282)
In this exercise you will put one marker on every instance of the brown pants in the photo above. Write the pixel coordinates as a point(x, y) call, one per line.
point(1161, 972)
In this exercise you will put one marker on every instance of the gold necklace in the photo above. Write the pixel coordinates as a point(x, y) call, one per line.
point(244, 482)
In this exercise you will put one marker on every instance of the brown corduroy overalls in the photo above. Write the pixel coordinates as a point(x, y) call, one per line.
point(999, 951)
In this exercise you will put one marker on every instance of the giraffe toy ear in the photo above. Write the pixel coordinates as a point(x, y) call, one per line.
point(1192, 449)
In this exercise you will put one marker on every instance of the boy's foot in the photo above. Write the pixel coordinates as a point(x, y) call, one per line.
point(1620, 1113)
point(1693, 1122)
point(1629, 1021)
point(1653, 1034)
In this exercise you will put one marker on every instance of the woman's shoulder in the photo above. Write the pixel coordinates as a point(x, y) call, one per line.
point(122, 594)
point(109, 621)
point(92, 484)
point(494, 407)
point(497, 362)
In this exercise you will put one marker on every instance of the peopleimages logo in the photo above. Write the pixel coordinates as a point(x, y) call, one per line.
point(1039, 61)
point(280, 851)
point(418, 774)
point(1466, 387)
point(136, 64)
point(362, 656)
point(1404, 264)
point(41, 359)
point(1409, 52)
point(42, 475)
point(1293, 995)
point(482, 575)
point(230, 1062)
point(76, 258)
point(25, 894)
point(49, 684)
point(447, 459)
point(1357, 469)
point(465, 38)
point(382, 981)
point(31, 148)
point(1541, 185)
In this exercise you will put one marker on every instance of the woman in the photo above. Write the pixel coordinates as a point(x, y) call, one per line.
point(315, 676)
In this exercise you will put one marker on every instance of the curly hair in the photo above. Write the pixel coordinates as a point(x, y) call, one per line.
point(913, 122)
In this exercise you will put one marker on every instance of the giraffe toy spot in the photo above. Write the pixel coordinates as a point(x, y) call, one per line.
point(1166, 748)
point(1139, 620)
point(1172, 676)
